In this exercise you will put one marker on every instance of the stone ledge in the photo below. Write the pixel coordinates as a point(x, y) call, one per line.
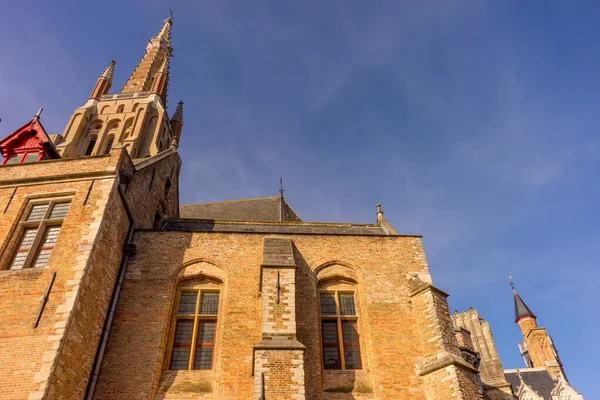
point(442, 360)
point(276, 343)
point(417, 286)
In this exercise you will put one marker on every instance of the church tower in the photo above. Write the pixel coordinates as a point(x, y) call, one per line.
point(136, 118)
point(70, 206)
point(537, 347)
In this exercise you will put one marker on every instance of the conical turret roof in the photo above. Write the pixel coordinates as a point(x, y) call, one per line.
point(521, 309)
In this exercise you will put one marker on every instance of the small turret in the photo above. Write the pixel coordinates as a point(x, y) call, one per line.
point(104, 82)
point(537, 348)
point(177, 121)
point(161, 80)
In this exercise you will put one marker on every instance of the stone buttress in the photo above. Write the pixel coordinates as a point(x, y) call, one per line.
point(446, 375)
point(278, 357)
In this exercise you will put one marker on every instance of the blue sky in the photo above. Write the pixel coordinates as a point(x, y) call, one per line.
point(473, 123)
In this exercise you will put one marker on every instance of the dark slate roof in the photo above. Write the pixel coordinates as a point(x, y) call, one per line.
point(311, 228)
point(270, 209)
point(521, 308)
point(537, 379)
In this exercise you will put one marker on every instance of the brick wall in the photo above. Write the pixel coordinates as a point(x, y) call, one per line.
point(55, 359)
point(33, 353)
point(135, 365)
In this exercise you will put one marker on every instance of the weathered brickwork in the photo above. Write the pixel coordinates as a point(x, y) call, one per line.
point(446, 374)
point(54, 360)
point(387, 317)
point(279, 374)
point(34, 361)
point(279, 305)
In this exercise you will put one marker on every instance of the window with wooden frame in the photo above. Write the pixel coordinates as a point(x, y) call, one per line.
point(23, 158)
point(40, 230)
point(339, 330)
point(195, 326)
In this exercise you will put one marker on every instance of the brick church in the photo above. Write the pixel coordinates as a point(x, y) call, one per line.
point(110, 289)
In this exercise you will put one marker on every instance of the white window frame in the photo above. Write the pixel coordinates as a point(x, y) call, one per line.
point(42, 225)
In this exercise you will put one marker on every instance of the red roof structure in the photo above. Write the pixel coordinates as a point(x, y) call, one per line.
point(29, 143)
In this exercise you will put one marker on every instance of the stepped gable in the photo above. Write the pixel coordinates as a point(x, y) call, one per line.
point(265, 209)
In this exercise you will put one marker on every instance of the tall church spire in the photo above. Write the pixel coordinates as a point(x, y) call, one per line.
point(158, 51)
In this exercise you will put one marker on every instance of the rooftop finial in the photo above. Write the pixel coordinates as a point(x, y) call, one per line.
point(109, 71)
point(281, 187)
point(379, 213)
point(38, 114)
point(165, 30)
point(512, 284)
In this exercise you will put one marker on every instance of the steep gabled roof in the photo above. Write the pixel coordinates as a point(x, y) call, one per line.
point(22, 138)
point(266, 209)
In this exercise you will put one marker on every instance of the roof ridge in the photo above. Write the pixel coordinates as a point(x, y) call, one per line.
point(251, 222)
point(231, 201)
point(521, 370)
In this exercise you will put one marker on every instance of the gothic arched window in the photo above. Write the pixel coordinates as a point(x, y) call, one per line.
point(195, 322)
point(339, 325)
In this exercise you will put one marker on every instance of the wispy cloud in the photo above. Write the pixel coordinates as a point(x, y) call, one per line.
point(474, 124)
